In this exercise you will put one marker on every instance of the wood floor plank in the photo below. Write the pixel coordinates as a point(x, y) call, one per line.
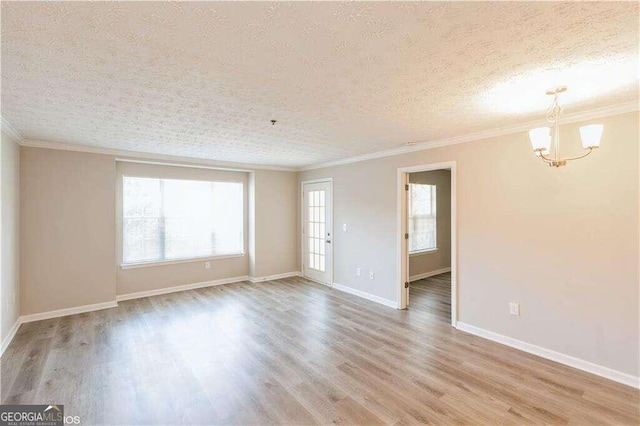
point(291, 351)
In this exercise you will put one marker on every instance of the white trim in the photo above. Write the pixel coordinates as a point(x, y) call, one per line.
point(501, 131)
point(274, 277)
point(371, 297)
point(10, 131)
point(428, 274)
point(401, 249)
point(12, 333)
point(333, 234)
point(571, 361)
point(421, 252)
point(173, 262)
point(67, 311)
point(148, 155)
point(327, 179)
point(178, 288)
point(185, 165)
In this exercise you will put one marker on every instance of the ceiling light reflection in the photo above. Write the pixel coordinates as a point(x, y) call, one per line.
point(525, 93)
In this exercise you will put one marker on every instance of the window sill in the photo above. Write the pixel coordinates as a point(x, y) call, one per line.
point(174, 262)
point(421, 252)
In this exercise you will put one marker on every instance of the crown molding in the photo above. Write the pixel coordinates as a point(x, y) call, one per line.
point(420, 146)
point(10, 131)
point(501, 131)
point(124, 155)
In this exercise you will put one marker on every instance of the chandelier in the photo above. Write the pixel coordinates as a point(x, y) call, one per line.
point(541, 137)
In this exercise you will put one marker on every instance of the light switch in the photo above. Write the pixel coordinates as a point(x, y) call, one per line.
point(514, 308)
point(344, 227)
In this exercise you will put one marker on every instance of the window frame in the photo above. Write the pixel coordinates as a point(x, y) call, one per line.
point(434, 194)
point(145, 263)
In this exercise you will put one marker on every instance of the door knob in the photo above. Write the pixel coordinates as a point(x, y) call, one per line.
point(328, 241)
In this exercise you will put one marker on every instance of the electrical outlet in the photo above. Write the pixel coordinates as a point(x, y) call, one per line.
point(207, 265)
point(371, 276)
point(358, 272)
point(514, 308)
point(344, 227)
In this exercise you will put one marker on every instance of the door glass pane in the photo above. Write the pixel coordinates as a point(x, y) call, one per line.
point(317, 229)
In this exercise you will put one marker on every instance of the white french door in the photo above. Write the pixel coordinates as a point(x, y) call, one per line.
point(317, 253)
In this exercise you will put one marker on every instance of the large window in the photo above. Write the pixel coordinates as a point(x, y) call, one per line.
point(169, 219)
point(422, 218)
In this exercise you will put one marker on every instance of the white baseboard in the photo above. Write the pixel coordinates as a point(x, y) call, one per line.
point(561, 358)
point(178, 288)
point(371, 297)
point(428, 274)
point(274, 277)
point(68, 311)
point(10, 336)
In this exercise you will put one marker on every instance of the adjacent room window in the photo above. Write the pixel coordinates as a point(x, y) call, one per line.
point(170, 219)
point(422, 217)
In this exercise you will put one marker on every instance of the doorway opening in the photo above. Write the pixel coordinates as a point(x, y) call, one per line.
point(427, 240)
point(317, 230)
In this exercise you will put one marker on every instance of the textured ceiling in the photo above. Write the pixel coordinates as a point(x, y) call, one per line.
point(342, 79)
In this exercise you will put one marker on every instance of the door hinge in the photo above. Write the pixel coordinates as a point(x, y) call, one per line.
point(406, 284)
point(406, 236)
point(406, 187)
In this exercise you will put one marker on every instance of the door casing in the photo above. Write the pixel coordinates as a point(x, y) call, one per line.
point(402, 243)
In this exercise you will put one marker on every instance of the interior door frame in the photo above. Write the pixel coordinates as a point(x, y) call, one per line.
point(402, 244)
point(328, 180)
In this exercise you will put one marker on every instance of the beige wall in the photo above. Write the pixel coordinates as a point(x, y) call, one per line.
point(71, 233)
point(440, 259)
point(161, 276)
point(9, 234)
point(275, 207)
point(67, 229)
point(561, 242)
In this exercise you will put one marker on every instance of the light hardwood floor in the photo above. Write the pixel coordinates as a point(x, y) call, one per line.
point(292, 352)
point(432, 295)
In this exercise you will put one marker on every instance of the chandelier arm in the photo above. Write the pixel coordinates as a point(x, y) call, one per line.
point(545, 159)
point(579, 156)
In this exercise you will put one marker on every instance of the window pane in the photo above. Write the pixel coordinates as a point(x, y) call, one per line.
point(228, 218)
point(166, 219)
point(142, 241)
point(422, 217)
point(188, 213)
point(141, 220)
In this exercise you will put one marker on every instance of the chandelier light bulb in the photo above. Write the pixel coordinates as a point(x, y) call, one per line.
point(540, 139)
point(591, 135)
